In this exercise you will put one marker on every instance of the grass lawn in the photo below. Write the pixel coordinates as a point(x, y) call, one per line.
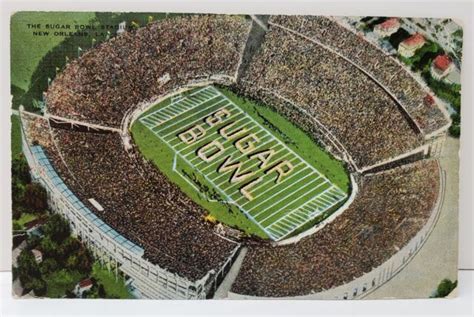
point(270, 205)
point(25, 218)
point(15, 136)
point(115, 289)
point(300, 142)
point(27, 50)
point(60, 281)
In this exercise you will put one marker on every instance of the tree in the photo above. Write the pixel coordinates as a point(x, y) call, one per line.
point(20, 170)
point(69, 246)
point(28, 269)
point(35, 197)
point(445, 288)
point(39, 287)
point(49, 265)
point(49, 247)
point(56, 228)
point(101, 291)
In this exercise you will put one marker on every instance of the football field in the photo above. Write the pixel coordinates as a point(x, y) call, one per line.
point(243, 161)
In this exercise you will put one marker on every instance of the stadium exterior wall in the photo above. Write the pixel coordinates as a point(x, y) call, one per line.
point(150, 280)
point(369, 282)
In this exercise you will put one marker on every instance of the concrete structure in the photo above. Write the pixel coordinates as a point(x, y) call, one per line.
point(363, 286)
point(408, 47)
point(112, 249)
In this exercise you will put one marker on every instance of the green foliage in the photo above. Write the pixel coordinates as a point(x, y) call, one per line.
point(20, 177)
point(35, 198)
point(49, 265)
point(62, 282)
point(16, 226)
point(56, 228)
point(15, 137)
point(458, 33)
point(445, 288)
point(80, 261)
point(101, 291)
point(20, 170)
point(423, 56)
point(38, 286)
point(113, 288)
point(49, 247)
point(451, 93)
point(455, 128)
point(28, 269)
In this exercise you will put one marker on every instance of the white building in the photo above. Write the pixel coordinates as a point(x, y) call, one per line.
point(38, 255)
point(409, 46)
point(387, 28)
point(441, 66)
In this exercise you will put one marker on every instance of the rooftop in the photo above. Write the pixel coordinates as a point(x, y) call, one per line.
point(390, 23)
point(442, 62)
point(414, 40)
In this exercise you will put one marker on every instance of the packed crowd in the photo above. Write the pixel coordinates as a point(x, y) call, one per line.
point(139, 202)
point(355, 109)
point(383, 67)
point(138, 66)
point(143, 205)
point(389, 210)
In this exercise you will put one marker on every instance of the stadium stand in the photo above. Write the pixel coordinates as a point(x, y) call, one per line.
point(140, 202)
point(383, 67)
point(360, 114)
point(316, 89)
point(368, 233)
point(137, 66)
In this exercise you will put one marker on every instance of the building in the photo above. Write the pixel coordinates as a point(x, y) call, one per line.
point(409, 46)
point(38, 255)
point(441, 66)
point(83, 286)
point(387, 28)
point(445, 32)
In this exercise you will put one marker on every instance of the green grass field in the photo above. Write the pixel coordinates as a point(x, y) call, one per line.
point(247, 165)
point(27, 50)
point(61, 281)
point(15, 144)
point(24, 219)
point(113, 288)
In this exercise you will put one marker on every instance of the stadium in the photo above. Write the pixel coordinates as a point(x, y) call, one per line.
point(242, 156)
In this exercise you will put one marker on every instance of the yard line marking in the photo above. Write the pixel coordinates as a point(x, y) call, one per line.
point(289, 149)
point(271, 179)
point(291, 202)
point(189, 114)
point(305, 180)
point(277, 193)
